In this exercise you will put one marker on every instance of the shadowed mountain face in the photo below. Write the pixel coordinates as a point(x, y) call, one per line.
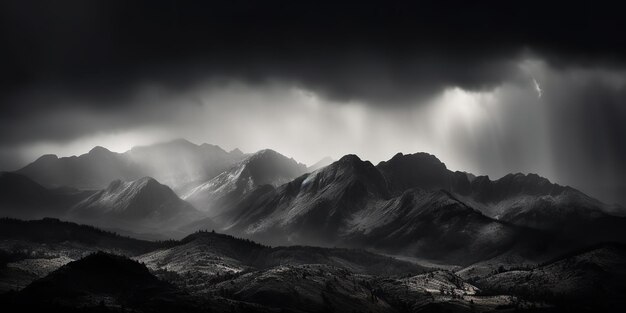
point(266, 167)
point(313, 205)
point(412, 205)
point(178, 163)
point(20, 197)
point(143, 205)
point(421, 170)
point(525, 200)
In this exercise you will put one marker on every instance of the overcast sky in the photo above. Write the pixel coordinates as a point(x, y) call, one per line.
point(491, 88)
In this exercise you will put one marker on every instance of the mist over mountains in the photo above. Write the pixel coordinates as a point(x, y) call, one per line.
point(176, 163)
point(235, 226)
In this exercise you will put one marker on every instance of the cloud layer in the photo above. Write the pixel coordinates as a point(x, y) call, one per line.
point(320, 78)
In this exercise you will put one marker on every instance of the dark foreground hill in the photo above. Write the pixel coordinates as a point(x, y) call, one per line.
point(591, 280)
point(50, 231)
point(211, 254)
point(32, 249)
point(214, 272)
point(103, 282)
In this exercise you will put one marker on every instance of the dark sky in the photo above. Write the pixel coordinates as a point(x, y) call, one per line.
point(492, 88)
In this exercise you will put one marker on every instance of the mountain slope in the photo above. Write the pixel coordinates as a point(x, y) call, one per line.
point(434, 225)
point(182, 164)
point(412, 205)
point(594, 279)
point(319, 164)
point(526, 200)
point(140, 205)
point(266, 167)
point(311, 209)
point(348, 203)
point(20, 197)
point(211, 254)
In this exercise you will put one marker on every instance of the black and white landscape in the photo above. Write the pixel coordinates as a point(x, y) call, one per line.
point(312, 156)
point(266, 234)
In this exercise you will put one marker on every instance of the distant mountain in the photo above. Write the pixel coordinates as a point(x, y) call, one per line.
point(265, 167)
point(21, 197)
point(526, 200)
point(319, 164)
point(182, 164)
point(92, 170)
point(177, 163)
point(143, 205)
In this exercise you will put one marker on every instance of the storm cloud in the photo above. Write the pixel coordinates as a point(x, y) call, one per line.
point(350, 77)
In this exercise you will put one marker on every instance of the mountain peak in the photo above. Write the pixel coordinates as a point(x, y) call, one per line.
point(417, 159)
point(529, 178)
point(99, 150)
point(325, 161)
point(147, 182)
point(182, 142)
point(175, 143)
point(140, 203)
point(349, 173)
point(269, 157)
point(47, 158)
point(211, 147)
point(418, 170)
point(350, 158)
point(266, 152)
point(138, 184)
point(236, 152)
point(354, 164)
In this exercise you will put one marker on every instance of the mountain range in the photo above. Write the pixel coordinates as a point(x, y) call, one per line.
point(235, 218)
point(410, 205)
